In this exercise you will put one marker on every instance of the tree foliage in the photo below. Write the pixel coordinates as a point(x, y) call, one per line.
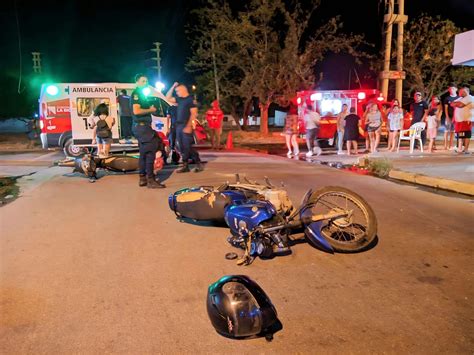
point(267, 49)
point(429, 45)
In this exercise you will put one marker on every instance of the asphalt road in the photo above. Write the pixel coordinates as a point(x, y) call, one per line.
point(106, 268)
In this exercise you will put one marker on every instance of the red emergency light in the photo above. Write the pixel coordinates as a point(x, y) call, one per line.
point(361, 95)
point(298, 100)
point(380, 98)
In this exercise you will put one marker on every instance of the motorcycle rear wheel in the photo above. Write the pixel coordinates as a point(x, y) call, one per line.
point(345, 234)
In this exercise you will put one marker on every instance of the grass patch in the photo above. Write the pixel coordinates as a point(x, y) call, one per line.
point(8, 190)
point(380, 167)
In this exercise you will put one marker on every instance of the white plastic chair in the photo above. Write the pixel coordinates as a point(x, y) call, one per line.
point(414, 132)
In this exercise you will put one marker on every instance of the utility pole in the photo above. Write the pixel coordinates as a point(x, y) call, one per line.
point(36, 62)
point(216, 81)
point(390, 19)
point(158, 59)
point(401, 23)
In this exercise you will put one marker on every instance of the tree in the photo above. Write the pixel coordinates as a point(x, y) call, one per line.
point(266, 50)
point(429, 45)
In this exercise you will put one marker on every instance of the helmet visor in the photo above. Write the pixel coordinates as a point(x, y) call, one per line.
point(244, 318)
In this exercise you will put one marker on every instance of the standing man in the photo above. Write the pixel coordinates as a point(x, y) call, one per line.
point(186, 114)
point(311, 121)
point(340, 128)
point(449, 117)
point(214, 117)
point(419, 113)
point(125, 112)
point(172, 115)
point(148, 141)
point(463, 116)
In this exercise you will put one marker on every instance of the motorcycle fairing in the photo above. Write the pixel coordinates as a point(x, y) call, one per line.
point(313, 231)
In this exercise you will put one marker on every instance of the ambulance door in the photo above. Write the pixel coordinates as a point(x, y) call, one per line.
point(160, 120)
point(84, 99)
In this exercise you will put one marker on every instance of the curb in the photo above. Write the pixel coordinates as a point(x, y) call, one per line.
point(435, 182)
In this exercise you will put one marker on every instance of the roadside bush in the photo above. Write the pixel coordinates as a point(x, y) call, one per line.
point(380, 167)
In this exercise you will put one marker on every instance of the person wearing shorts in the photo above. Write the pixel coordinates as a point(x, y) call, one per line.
point(311, 120)
point(373, 119)
point(433, 120)
point(395, 119)
point(101, 113)
point(291, 130)
point(463, 117)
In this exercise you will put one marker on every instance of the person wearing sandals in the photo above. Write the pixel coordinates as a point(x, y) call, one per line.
point(395, 123)
point(433, 120)
point(373, 119)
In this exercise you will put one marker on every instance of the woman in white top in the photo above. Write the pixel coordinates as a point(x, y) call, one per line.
point(395, 122)
point(373, 120)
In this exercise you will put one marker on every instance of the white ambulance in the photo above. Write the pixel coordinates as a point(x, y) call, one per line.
point(65, 108)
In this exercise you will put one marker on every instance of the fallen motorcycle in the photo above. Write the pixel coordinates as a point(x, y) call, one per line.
point(88, 164)
point(264, 222)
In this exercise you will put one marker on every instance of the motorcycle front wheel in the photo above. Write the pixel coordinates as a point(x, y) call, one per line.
point(351, 233)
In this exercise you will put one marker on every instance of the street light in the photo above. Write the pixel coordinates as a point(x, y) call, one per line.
point(193, 87)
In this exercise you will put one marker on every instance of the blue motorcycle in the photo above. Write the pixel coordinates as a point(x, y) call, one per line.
point(264, 222)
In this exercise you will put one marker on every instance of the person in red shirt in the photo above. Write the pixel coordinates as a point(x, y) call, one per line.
point(214, 117)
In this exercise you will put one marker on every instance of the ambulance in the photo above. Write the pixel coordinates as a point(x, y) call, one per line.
point(329, 103)
point(65, 107)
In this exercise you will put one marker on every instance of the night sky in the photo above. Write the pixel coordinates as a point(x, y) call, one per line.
point(99, 41)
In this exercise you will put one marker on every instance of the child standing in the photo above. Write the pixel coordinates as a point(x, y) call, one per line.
point(433, 119)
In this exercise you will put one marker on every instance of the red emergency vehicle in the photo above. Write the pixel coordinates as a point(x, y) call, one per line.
point(65, 107)
point(329, 103)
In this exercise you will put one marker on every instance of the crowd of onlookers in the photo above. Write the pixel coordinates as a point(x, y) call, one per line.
point(454, 115)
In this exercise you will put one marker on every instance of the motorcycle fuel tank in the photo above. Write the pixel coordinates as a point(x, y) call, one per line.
point(242, 217)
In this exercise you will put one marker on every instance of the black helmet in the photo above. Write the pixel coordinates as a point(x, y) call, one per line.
point(239, 308)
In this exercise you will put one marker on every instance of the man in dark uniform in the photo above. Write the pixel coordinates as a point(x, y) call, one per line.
point(148, 141)
point(173, 115)
point(186, 114)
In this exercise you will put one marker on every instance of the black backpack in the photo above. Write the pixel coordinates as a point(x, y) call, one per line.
point(103, 130)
